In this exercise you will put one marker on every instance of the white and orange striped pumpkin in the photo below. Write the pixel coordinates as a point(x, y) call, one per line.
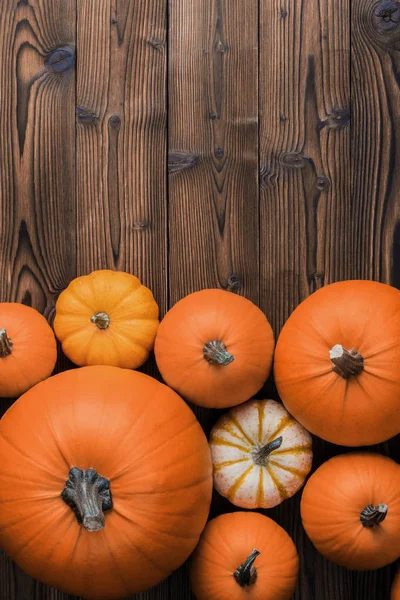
point(261, 454)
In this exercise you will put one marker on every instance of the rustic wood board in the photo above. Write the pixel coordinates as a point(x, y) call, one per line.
point(251, 146)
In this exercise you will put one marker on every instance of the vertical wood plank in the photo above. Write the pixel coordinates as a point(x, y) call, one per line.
point(121, 139)
point(37, 203)
point(213, 146)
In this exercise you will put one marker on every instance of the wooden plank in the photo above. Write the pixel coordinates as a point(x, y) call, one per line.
point(121, 168)
point(121, 139)
point(213, 147)
point(37, 200)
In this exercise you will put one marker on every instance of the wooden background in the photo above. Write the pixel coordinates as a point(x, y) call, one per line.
point(251, 145)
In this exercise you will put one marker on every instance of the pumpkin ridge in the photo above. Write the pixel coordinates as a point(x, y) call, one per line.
point(218, 441)
point(228, 430)
point(261, 412)
point(232, 491)
point(156, 531)
point(173, 491)
point(228, 463)
point(297, 472)
point(116, 565)
point(41, 530)
point(53, 431)
point(260, 488)
point(294, 449)
point(241, 430)
point(277, 483)
point(283, 423)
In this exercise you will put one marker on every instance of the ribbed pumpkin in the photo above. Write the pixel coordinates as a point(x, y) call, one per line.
point(351, 510)
point(261, 455)
point(105, 482)
point(106, 318)
point(215, 348)
point(337, 363)
point(28, 350)
point(395, 595)
point(244, 556)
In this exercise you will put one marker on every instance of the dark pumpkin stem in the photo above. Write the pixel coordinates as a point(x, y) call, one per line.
point(260, 455)
point(101, 319)
point(373, 515)
point(346, 362)
point(5, 344)
point(88, 494)
point(246, 574)
point(216, 352)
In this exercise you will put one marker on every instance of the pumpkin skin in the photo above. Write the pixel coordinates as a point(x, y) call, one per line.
point(133, 431)
point(261, 455)
point(28, 350)
point(106, 318)
point(395, 594)
point(214, 348)
point(332, 506)
point(364, 408)
point(226, 543)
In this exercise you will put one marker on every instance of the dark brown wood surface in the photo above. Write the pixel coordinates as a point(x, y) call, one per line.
point(248, 145)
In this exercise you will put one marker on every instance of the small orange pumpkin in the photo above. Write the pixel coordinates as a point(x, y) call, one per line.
point(244, 556)
point(261, 455)
point(215, 348)
point(105, 482)
point(351, 510)
point(106, 318)
point(28, 350)
point(336, 363)
point(395, 595)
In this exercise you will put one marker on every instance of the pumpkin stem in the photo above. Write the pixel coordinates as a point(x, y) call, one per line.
point(216, 352)
point(373, 515)
point(88, 494)
point(346, 362)
point(260, 455)
point(5, 344)
point(101, 319)
point(246, 574)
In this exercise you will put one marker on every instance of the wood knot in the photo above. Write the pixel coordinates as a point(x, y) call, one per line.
point(60, 59)
point(221, 47)
point(219, 153)
point(283, 13)
point(141, 225)
point(323, 183)
point(282, 118)
point(234, 283)
point(85, 115)
point(293, 160)
point(213, 116)
point(156, 43)
point(179, 161)
point(339, 117)
point(114, 121)
point(386, 15)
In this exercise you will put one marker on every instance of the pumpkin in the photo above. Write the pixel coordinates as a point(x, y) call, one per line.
point(106, 318)
point(336, 363)
point(244, 556)
point(214, 348)
point(28, 350)
point(261, 455)
point(105, 482)
point(350, 509)
point(395, 595)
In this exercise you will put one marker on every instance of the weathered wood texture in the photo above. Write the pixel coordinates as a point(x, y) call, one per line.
point(249, 145)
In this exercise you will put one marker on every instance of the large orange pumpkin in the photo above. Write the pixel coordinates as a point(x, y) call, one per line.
point(395, 595)
point(244, 556)
point(106, 318)
point(105, 482)
point(337, 363)
point(215, 348)
point(28, 350)
point(351, 510)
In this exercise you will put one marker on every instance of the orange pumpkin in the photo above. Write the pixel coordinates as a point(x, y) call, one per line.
point(28, 350)
point(336, 363)
point(244, 556)
point(102, 439)
point(395, 595)
point(351, 510)
point(106, 318)
point(261, 455)
point(215, 348)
